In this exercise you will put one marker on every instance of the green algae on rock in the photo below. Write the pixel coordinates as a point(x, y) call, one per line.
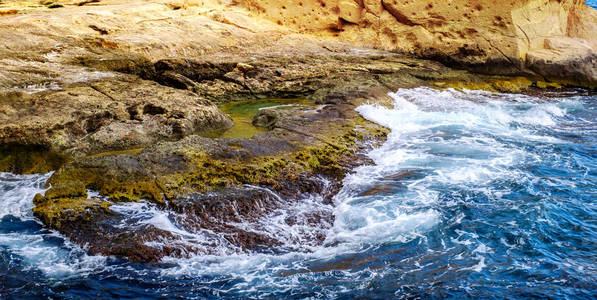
point(22, 159)
point(124, 112)
point(170, 169)
point(140, 148)
point(501, 84)
point(111, 115)
point(132, 139)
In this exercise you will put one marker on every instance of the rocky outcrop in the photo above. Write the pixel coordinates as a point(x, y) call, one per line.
point(302, 144)
point(174, 99)
point(307, 149)
point(117, 114)
point(548, 38)
point(553, 39)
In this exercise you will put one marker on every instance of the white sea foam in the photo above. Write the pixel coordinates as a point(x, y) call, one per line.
point(40, 249)
point(466, 137)
point(55, 260)
point(460, 139)
point(18, 192)
point(143, 213)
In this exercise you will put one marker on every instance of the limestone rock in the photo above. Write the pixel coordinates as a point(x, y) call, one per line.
point(350, 11)
point(494, 37)
point(113, 95)
point(116, 114)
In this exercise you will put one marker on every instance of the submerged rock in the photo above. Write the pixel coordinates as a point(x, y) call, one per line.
point(303, 143)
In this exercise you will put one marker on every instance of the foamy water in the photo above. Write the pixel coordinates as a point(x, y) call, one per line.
point(473, 194)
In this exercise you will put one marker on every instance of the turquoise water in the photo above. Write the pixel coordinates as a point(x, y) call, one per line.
point(592, 3)
point(473, 195)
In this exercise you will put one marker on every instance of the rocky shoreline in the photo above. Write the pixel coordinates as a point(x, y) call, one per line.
point(117, 99)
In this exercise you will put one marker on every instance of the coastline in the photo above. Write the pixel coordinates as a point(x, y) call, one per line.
point(118, 108)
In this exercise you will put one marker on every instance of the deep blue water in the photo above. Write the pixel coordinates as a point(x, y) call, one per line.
point(592, 3)
point(474, 195)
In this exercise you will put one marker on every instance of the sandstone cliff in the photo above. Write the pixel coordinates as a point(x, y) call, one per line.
point(554, 39)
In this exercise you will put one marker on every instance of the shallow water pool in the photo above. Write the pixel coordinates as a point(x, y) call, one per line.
point(242, 114)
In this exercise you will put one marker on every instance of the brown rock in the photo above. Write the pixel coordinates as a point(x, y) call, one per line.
point(113, 96)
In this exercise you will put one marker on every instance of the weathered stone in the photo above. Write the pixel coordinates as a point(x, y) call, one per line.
point(302, 143)
point(116, 114)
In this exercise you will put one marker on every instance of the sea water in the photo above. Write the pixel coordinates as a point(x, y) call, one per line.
point(474, 194)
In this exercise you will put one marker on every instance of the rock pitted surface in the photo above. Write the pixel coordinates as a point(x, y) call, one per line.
point(554, 39)
point(117, 114)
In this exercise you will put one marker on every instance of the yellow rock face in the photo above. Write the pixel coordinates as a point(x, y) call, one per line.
point(471, 33)
point(555, 39)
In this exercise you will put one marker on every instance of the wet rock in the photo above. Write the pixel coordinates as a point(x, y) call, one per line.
point(102, 233)
point(218, 210)
point(143, 144)
point(20, 159)
point(117, 108)
point(201, 179)
point(266, 119)
point(406, 175)
point(571, 70)
point(201, 224)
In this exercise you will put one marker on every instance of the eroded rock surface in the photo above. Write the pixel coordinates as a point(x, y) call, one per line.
point(117, 114)
point(182, 177)
point(554, 39)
